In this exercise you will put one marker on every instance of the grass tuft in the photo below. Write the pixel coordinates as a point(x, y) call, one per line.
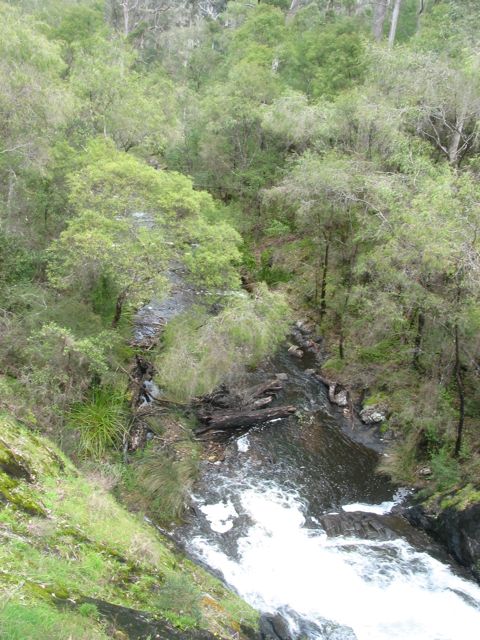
point(101, 422)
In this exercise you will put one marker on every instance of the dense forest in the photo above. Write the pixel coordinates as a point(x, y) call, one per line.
point(305, 159)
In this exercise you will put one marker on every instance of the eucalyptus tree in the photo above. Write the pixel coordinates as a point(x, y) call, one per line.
point(129, 220)
point(440, 100)
point(429, 269)
point(338, 204)
point(34, 106)
point(136, 110)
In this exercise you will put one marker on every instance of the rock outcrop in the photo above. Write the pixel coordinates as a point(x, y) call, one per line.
point(455, 528)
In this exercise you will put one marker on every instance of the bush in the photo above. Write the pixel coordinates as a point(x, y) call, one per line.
point(179, 600)
point(202, 351)
point(445, 469)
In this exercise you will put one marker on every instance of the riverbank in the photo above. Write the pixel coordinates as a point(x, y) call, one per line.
point(446, 505)
point(302, 485)
point(66, 542)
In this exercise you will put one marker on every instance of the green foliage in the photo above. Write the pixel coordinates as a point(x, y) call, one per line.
point(325, 59)
point(164, 478)
point(213, 255)
point(17, 264)
point(101, 422)
point(276, 229)
point(137, 111)
point(21, 621)
point(34, 107)
point(179, 600)
point(445, 469)
point(384, 351)
point(201, 351)
point(88, 610)
point(269, 272)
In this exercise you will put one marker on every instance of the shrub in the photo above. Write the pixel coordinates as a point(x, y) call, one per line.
point(180, 597)
point(445, 469)
point(201, 351)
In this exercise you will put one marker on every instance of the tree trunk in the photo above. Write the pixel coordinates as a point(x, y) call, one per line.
point(341, 342)
point(12, 178)
point(119, 308)
point(461, 394)
point(323, 289)
point(379, 14)
point(394, 23)
point(418, 341)
point(453, 149)
point(294, 7)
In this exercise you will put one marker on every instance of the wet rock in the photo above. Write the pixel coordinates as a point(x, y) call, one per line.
point(282, 376)
point(274, 628)
point(457, 529)
point(360, 525)
point(341, 398)
point(373, 415)
point(337, 395)
point(310, 372)
point(295, 351)
point(302, 326)
point(328, 630)
point(425, 471)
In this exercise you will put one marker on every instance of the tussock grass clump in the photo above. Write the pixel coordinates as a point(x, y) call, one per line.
point(101, 422)
point(180, 600)
point(165, 480)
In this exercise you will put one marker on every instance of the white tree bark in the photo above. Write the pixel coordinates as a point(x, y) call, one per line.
point(294, 6)
point(394, 23)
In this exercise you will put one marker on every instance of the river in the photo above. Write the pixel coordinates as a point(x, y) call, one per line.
point(262, 516)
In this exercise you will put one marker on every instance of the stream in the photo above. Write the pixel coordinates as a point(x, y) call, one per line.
point(296, 520)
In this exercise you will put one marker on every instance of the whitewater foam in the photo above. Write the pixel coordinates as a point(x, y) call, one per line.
point(220, 516)
point(380, 509)
point(382, 590)
point(243, 444)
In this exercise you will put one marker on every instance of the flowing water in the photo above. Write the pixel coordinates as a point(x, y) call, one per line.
point(261, 522)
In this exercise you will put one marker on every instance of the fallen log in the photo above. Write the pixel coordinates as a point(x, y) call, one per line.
point(262, 402)
point(261, 389)
point(241, 419)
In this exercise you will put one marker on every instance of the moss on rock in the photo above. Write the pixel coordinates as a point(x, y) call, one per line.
point(65, 538)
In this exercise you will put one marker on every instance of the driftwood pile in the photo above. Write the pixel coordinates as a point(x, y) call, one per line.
point(224, 410)
point(219, 413)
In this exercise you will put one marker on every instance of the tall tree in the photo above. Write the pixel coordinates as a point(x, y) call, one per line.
point(380, 8)
point(394, 23)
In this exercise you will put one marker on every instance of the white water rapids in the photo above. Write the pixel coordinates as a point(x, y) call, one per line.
point(260, 513)
point(380, 590)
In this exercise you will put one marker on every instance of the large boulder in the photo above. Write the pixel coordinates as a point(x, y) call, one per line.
point(373, 415)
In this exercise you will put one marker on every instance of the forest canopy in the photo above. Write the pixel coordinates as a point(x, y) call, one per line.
point(323, 153)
